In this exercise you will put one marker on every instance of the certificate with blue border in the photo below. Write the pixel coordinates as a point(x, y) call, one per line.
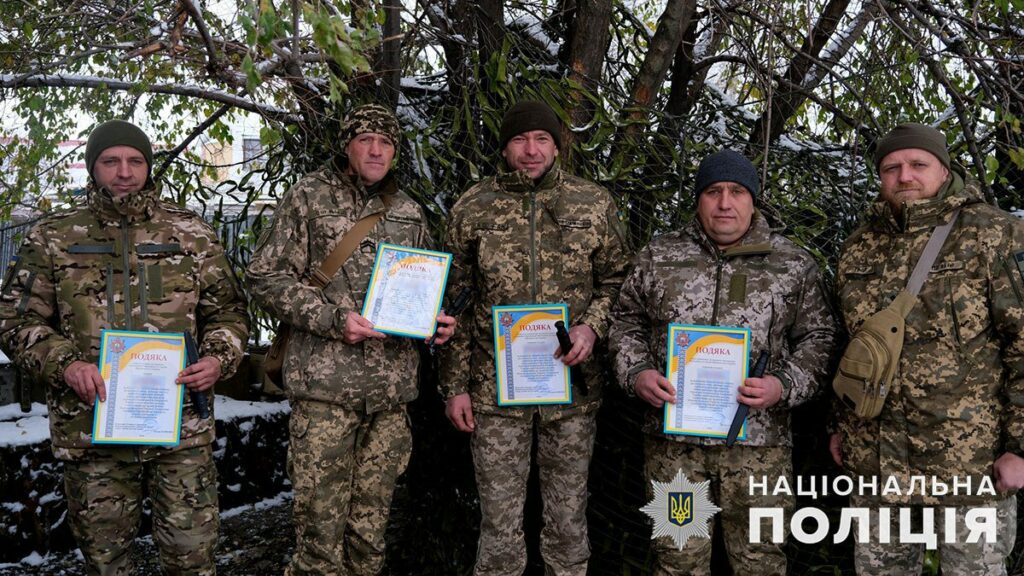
point(706, 365)
point(525, 342)
point(405, 291)
point(143, 404)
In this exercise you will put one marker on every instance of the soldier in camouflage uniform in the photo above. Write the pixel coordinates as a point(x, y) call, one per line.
point(534, 234)
point(956, 406)
point(726, 268)
point(126, 260)
point(348, 384)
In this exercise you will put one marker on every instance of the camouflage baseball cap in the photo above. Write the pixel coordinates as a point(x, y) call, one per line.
point(370, 118)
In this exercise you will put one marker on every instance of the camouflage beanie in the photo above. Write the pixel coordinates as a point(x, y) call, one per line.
point(117, 133)
point(727, 166)
point(367, 119)
point(530, 115)
point(912, 135)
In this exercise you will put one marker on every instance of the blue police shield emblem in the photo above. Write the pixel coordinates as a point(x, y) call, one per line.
point(680, 508)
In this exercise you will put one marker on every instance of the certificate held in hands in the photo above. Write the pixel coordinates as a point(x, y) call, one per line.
point(525, 341)
point(405, 291)
point(706, 365)
point(143, 403)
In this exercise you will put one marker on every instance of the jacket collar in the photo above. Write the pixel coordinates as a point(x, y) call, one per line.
point(518, 182)
point(133, 207)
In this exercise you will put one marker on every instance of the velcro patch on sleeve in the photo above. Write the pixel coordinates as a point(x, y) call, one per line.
point(1019, 259)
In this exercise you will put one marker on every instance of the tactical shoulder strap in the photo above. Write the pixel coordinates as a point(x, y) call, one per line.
point(349, 242)
point(931, 252)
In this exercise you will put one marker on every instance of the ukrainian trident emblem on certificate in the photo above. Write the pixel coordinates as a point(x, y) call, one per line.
point(706, 365)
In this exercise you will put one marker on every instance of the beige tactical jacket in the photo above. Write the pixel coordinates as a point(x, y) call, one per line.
point(133, 263)
point(517, 242)
point(766, 283)
point(309, 222)
point(957, 401)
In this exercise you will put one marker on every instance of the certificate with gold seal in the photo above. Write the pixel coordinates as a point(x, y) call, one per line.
point(525, 341)
point(706, 365)
point(405, 291)
point(143, 404)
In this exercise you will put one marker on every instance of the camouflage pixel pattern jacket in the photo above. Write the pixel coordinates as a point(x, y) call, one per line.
point(957, 400)
point(519, 242)
point(310, 220)
point(766, 283)
point(132, 263)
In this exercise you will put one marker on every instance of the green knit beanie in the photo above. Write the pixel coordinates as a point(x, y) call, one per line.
point(117, 133)
point(912, 135)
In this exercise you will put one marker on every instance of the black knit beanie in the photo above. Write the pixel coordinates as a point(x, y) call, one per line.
point(530, 115)
point(117, 133)
point(912, 135)
point(727, 166)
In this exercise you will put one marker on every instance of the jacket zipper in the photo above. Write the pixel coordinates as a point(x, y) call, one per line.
point(533, 248)
point(127, 274)
point(718, 284)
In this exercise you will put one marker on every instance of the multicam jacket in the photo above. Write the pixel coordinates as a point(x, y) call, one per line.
point(766, 283)
point(957, 400)
point(310, 221)
point(131, 263)
point(516, 242)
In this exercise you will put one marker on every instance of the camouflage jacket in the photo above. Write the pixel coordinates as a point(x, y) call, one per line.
point(309, 222)
point(517, 242)
point(957, 400)
point(766, 283)
point(134, 263)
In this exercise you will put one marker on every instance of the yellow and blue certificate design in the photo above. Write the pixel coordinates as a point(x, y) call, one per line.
point(405, 291)
point(706, 365)
point(143, 403)
point(525, 341)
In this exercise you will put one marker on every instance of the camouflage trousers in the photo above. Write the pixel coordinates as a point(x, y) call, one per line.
point(729, 470)
point(343, 465)
point(501, 457)
point(958, 559)
point(104, 489)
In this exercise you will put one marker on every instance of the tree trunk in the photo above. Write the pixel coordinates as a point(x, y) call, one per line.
point(390, 68)
point(491, 35)
point(788, 96)
point(588, 36)
point(663, 46)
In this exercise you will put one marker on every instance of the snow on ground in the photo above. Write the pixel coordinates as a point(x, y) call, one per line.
point(279, 500)
point(18, 428)
point(254, 539)
point(227, 409)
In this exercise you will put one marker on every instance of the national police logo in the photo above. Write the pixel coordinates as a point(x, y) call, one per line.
point(680, 509)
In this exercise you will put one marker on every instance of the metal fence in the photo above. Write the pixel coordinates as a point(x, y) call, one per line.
point(11, 234)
